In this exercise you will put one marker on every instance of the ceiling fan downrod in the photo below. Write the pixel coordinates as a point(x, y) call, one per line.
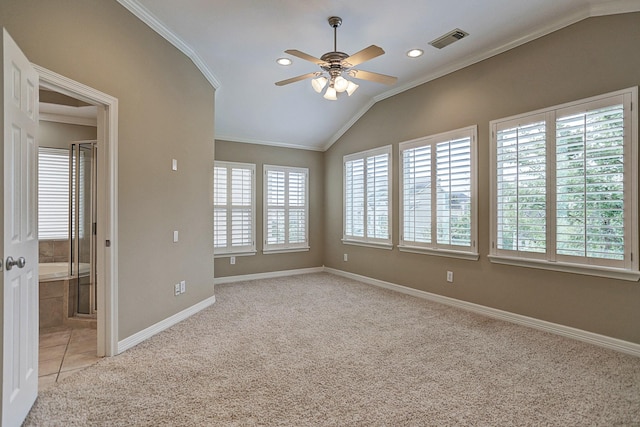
point(335, 22)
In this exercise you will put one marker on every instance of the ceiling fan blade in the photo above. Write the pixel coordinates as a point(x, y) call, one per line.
point(297, 79)
point(306, 57)
point(374, 77)
point(364, 55)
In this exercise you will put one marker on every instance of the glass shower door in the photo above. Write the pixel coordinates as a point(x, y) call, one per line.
point(82, 225)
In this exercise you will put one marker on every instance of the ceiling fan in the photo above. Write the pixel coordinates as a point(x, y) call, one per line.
point(336, 65)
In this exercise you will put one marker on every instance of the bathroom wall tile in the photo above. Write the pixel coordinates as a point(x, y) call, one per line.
point(51, 311)
point(45, 249)
point(61, 250)
point(51, 289)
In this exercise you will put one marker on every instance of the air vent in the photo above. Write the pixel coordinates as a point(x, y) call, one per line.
point(447, 39)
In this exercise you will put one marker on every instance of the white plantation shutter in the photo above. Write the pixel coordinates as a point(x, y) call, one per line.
point(416, 194)
point(367, 192)
point(521, 192)
point(354, 198)
point(234, 208)
point(53, 193)
point(286, 208)
point(438, 193)
point(590, 183)
point(565, 186)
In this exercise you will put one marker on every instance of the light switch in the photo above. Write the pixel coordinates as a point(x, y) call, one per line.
point(174, 164)
point(175, 236)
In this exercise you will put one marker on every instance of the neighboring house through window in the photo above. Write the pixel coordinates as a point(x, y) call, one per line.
point(234, 208)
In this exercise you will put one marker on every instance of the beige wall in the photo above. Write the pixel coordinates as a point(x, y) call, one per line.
point(166, 111)
point(261, 155)
point(592, 57)
point(60, 135)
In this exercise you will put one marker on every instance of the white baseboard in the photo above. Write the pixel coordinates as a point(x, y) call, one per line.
point(269, 275)
point(566, 331)
point(147, 333)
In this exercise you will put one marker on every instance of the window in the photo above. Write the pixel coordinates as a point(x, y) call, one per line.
point(367, 197)
point(234, 208)
point(53, 193)
point(286, 209)
point(565, 185)
point(438, 194)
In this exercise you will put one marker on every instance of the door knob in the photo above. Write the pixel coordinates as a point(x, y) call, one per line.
point(20, 262)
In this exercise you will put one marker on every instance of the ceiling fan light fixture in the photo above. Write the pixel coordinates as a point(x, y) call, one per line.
point(319, 83)
point(351, 87)
point(341, 84)
point(331, 94)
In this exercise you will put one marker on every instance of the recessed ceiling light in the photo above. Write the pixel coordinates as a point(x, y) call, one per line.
point(414, 53)
point(283, 61)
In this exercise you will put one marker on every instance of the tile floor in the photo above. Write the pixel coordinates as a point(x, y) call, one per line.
point(63, 352)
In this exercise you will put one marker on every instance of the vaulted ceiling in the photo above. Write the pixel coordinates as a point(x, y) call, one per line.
point(235, 43)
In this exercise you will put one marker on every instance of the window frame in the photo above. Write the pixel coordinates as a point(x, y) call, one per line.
point(382, 243)
point(273, 248)
point(246, 250)
point(550, 260)
point(433, 247)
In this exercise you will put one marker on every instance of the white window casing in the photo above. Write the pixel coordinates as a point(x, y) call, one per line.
point(438, 194)
point(234, 194)
point(367, 178)
point(285, 209)
point(564, 184)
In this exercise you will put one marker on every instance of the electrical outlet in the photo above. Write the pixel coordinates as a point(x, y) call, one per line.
point(346, 257)
point(176, 289)
point(450, 276)
point(232, 260)
point(183, 286)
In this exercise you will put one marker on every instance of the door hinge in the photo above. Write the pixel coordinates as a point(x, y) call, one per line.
point(107, 243)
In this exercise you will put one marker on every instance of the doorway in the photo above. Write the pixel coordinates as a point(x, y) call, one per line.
point(103, 302)
point(67, 223)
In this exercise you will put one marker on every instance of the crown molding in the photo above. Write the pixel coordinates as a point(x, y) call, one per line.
point(155, 24)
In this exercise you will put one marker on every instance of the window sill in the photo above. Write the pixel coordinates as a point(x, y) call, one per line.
point(440, 252)
point(387, 246)
point(285, 250)
point(230, 254)
point(611, 273)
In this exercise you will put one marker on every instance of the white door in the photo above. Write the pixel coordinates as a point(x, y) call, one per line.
point(20, 272)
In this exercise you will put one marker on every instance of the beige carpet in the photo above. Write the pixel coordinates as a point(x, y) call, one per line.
point(322, 350)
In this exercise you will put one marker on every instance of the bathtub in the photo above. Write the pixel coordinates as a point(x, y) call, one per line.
point(57, 270)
